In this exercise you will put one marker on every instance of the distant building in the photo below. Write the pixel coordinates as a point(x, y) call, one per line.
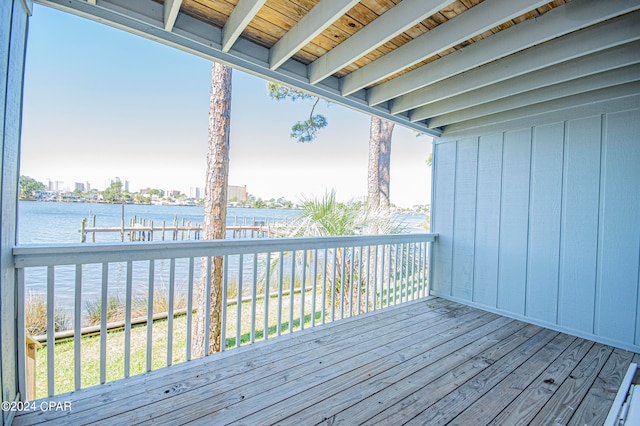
point(195, 192)
point(79, 186)
point(173, 193)
point(238, 193)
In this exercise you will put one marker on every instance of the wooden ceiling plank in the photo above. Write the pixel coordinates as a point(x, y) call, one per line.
point(573, 87)
point(557, 22)
point(577, 44)
point(387, 26)
point(171, 9)
point(475, 21)
point(242, 14)
point(308, 28)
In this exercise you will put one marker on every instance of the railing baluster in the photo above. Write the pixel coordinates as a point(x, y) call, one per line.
point(303, 288)
point(150, 294)
point(292, 290)
point(207, 306)
point(127, 320)
point(280, 284)
point(333, 284)
point(314, 288)
point(51, 343)
point(103, 323)
point(22, 338)
point(343, 280)
point(360, 276)
point(267, 294)
point(254, 297)
point(351, 280)
point(395, 276)
point(375, 278)
point(325, 259)
point(172, 287)
point(389, 275)
point(368, 282)
point(190, 308)
point(382, 259)
point(239, 300)
point(224, 305)
point(77, 329)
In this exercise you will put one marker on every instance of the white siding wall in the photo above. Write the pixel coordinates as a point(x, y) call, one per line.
point(543, 224)
point(13, 30)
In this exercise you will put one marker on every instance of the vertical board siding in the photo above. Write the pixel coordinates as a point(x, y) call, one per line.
point(443, 217)
point(579, 243)
point(487, 238)
point(544, 222)
point(512, 271)
point(464, 219)
point(617, 293)
point(551, 232)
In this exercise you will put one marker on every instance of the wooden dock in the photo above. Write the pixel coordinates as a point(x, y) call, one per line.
point(426, 362)
point(143, 230)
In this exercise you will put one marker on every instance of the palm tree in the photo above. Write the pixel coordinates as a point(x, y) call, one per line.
point(344, 268)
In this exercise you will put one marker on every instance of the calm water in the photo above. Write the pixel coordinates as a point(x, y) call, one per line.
point(56, 223)
point(53, 223)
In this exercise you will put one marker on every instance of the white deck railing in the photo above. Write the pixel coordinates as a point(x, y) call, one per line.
point(309, 281)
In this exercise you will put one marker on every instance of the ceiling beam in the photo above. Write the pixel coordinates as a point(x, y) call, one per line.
point(575, 101)
point(171, 9)
point(579, 112)
point(242, 14)
point(617, 57)
point(580, 43)
point(559, 21)
point(309, 27)
point(387, 26)
point(471, 23)
point(593, 82)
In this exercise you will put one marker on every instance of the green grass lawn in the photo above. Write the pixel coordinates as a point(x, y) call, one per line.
point(90, 345)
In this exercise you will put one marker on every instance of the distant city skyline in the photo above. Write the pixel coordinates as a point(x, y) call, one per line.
point(100, 103)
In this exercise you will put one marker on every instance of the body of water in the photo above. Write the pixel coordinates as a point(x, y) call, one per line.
point(59, 223)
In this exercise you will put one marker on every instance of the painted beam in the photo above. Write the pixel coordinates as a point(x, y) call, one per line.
point(555, 23)
point(171, 9)
point(580, 43)
point(466, 106)
point(387, 26)
point(596, 96)
point(311, 25)
point(556, 91)
point(242, 14)
point(471, 23)
point(588, 110)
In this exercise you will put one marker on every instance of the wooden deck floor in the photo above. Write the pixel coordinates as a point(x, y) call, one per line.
point(428, 362)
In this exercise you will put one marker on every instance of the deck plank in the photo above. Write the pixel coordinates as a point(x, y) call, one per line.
point(365, 357)
point(595, 406)
point(427, 362)
point(452, 404)
point(563, 403)
point(526, 406)
point(500, 396)
point(160, 385)
point(409, 359)
point(458, 367)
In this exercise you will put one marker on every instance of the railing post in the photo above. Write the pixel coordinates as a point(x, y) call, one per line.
point(22, 338)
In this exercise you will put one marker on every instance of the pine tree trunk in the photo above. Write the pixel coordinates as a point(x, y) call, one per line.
point(379, 163)
point(378, 180)
point(215, 207)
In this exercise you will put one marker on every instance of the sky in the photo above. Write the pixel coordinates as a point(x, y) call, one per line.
point(100, 103)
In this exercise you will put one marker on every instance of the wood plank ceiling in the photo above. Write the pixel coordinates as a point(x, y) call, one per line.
point(437, 66)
